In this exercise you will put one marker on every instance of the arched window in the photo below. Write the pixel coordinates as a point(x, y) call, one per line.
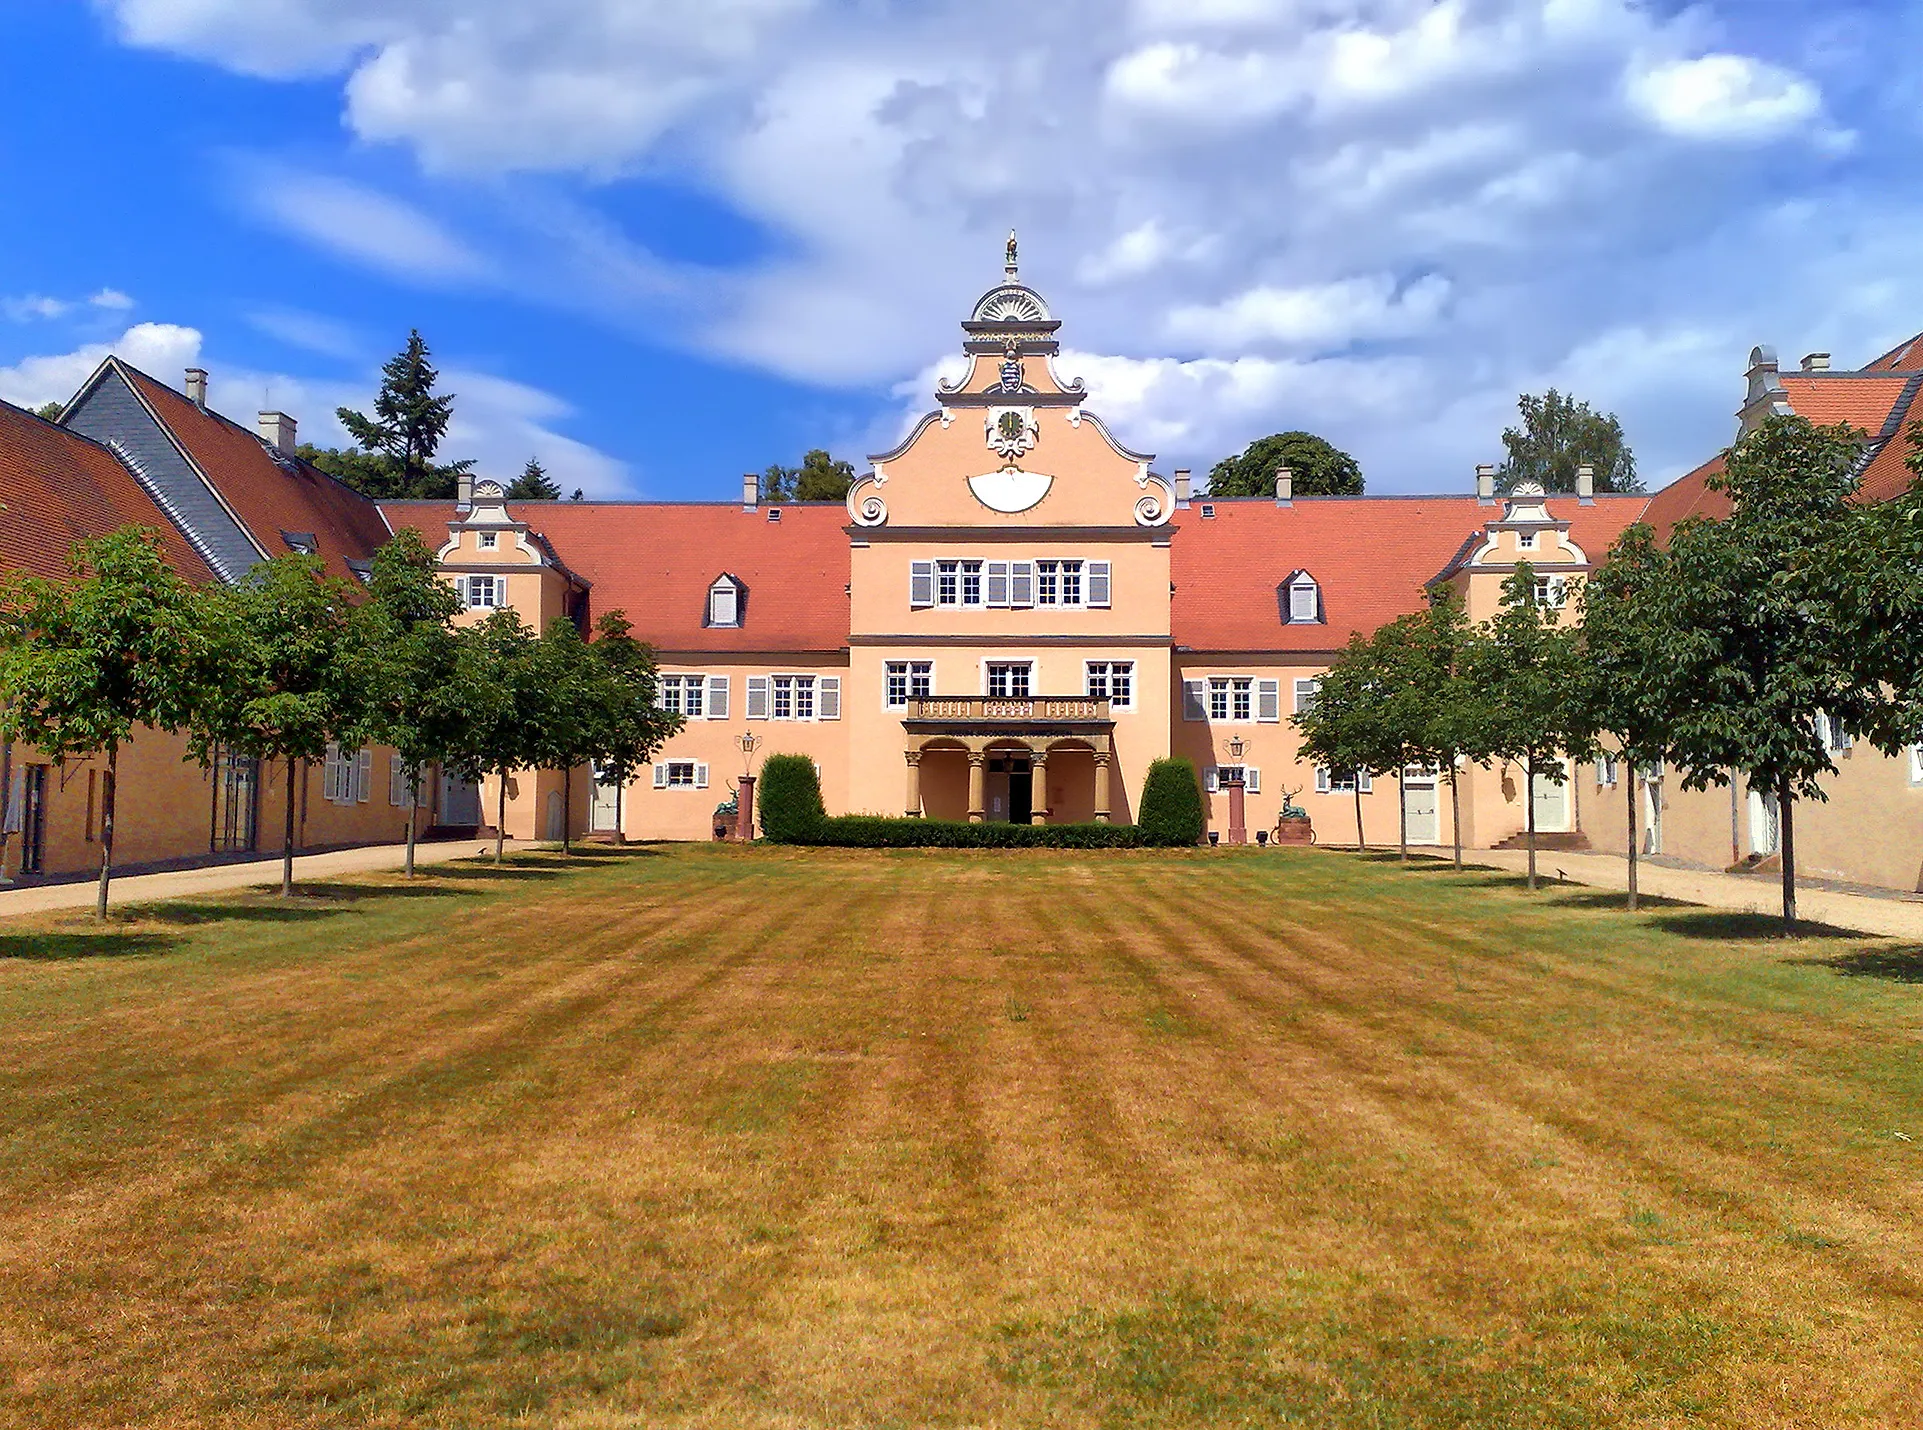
point(1302, 600)
point(725, 602)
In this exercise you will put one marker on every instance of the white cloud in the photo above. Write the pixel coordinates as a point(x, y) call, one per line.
point(112, 300)
point(310, 331)
point(1724, 97)
point(163, 349)
point(31, 306)
point(359, 224)
point(1320, 315)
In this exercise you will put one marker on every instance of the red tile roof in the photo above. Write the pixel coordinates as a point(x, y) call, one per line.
point(1372, 557)
point(1888, 474)
point(1906, 356)
point(57, 487)
point(1863, 402)
point(656, 561)
point(268, 497)
point(1688, 495)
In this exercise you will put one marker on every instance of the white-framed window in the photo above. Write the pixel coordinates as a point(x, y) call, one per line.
point(1834, 734)
point(347, 776)
point(1113, 681)
point(1231, 697)
point(680, 774)
point(794, 697)
point(1916, 764)
point(487, 540)
point(1329, 781)
point(948, 583)
point(1552, 591)
point(400, 794)
point(684, 695)
point(724, 602)
point(1525, 541)
point(485, 593)
point(1305, 689)
point(971, 583)
point(907, 680)
point(1217, 778)
point(1305, 600)
point(1009, 679)
point(1605, 770)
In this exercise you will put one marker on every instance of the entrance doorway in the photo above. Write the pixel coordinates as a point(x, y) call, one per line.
point(1653, 810)
point(460, 802)
point(1552, 801)
point(33, 820)
point(1764, 827)
point(236, 802)
point(604, 816)
point(1422, 808)
point(1010, 789)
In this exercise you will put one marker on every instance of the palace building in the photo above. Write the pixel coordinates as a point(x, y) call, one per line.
point(1012, 615)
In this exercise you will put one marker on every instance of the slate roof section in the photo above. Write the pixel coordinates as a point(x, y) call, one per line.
point(656, 561)
point(1372, 556)
point(271, 496)
point(58, 487)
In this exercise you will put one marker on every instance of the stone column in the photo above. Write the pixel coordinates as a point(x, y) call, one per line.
point(1103, 762)
point(914, 784)
point(744, 828)
point(1238, 823)
point(1038, 787)
point(977, 787)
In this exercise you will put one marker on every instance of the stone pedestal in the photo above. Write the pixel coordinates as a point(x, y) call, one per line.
point(1238, 826)
point(744, 826)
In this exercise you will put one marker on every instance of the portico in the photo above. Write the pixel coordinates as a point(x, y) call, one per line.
point(1026, 759)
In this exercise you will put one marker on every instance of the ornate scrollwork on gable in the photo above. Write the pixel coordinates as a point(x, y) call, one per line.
point(1156, 504)
point(865, 506)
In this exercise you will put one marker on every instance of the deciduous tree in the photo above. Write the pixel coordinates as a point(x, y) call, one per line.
point(1318, 468)
point(497, 673)
point(86, 661)
point(1559, 434)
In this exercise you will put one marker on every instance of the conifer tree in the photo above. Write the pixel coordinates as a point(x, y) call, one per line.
point(534, 484)
point(409, 421)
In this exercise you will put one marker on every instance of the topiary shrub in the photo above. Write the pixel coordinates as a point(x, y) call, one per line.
point(789, 796)
point(1171, 813)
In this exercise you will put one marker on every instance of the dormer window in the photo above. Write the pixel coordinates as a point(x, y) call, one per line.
point(724, 602)
point(1302, 600)
point(303, 542)
point(488, 540)
point(1526, 540)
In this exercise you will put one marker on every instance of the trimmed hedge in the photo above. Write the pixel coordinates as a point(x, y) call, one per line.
point(874, 831)
point(789, 796)
point(1172, 805)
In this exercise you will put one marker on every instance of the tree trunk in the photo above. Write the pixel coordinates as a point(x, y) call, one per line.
point(1529, 793)
point(1630, 766)
point(294, 768)
point(500, 820)
point(1786, 847)
point(1361, 843)
point(567, 808)
point(107, 830)
point(1455, 815)
point(413, 809)
point(1402, 813)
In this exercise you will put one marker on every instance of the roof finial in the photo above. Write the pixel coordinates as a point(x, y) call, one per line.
point(1010, 266)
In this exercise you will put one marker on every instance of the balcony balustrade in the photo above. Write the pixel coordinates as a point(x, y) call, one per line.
point(1009, 709)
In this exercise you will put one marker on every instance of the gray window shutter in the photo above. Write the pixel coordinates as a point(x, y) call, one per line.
point(1305, 694)
point(1021, 583)
point(1321, 779)
point(700, 776)
point(1365, 782)
point(1268, 701)
point(828, 698)
point(363, 776)
point(1252, 778)
point(1211, 780)
point(1195, 700)
point(997, 583)
point(661, 774)
point(717, 697)
point(921, 583)
point(757, 697)
point(1095, 588)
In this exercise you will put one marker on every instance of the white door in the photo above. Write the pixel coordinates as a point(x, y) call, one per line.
point(1652, 814)
point(1552, 803)
point(1763, 827)
point(460, 802)
point(605, 815)
point(557, 816)
point(1423, 808)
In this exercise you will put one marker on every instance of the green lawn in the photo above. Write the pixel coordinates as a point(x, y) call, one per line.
point(724, 1137)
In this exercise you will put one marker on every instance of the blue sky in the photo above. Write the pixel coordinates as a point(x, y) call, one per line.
point(660, 242)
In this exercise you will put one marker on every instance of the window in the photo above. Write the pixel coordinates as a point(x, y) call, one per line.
point(1217, 778)
point(1304, 600)
point(948, 583)
point(1526, 540)
point(1059, 583)
point(1071, 583)
point(1231, 698)
point(794, 697)
point(1605, 770)
point(488, 540)
point(1834, 734)
point(1009, 679)
point(684, 695)
point(484, 593)
point(680, 774)
point(1113, 681)
point(400, 790)
point(1329, 781)
point(971, 583)
point(724, 602)
point(1551, 592)
point(1916, 764)
point(1195, 700)
point(1048, 583)
point(908, 680)
point(1305, 690)
point(347, 775)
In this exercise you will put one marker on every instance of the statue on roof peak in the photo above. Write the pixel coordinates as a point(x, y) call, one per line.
point(1010, 266)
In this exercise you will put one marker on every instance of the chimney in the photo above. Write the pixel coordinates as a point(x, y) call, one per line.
point(277, 431)
point(464, 492)
point(1181, 488)
point(196, 388)
point(750, 491)
point(1586, 484)
point(1284, 487)
point(1816, 362)
point(1486, 484)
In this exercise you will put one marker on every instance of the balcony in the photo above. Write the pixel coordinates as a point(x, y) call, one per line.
point(1007, 712)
